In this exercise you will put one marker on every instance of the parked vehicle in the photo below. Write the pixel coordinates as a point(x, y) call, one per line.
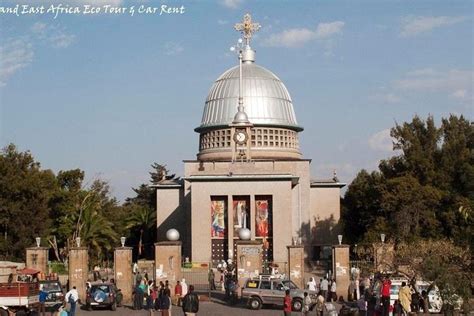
point(435, 302)
point(20, 294)
point(55, 297)
point(101, 295)
point(271, 291)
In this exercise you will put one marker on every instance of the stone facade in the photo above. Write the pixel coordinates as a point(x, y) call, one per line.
point(296, 204)
point(79, 270)
point(296, 265)
point(37, 258)
point(123, 272)
point(341, 269)
point(168, 262)
point(249, 260)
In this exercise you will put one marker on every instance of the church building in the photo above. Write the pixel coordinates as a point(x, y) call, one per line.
point(249, 172)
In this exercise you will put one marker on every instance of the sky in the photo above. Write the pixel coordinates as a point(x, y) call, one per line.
point(112, 93)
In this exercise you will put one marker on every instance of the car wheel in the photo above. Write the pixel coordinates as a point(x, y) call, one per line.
point(297, 305)
point(113, 306)
point(3, 312)
point(20, 313)
point(255, 303)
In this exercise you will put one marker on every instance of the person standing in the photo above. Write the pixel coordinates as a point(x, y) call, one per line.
point(425, 302)
point(72, 297)
point(404, 295)
point(211, 277)
point(306, 303)
point(311, 285)
point(178, 293)
point(287, 303)
point(362, 305)
point(42, 299)
point(320, 306)
point(333, 290)
point(385, 292)
point(184, 287)
point(164, 302)
point(324, 287)
point(190, 302)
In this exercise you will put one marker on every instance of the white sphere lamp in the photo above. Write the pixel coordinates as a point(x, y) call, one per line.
point(172, 234)
point(244, 234)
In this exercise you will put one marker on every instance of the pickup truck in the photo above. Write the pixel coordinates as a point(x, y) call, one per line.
point(20, 295)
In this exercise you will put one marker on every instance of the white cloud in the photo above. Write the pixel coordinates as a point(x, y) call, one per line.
point(53, 34)
point(325, 30)
point(172, 48)
point(385, 97)
point(381, 141)
point(459, 94)
point(413, 26)
point(437, 81)
point(299, 36)
point(231, 4)
point(14, 55)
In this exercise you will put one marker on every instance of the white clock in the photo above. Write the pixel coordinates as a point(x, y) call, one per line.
point(240, 137)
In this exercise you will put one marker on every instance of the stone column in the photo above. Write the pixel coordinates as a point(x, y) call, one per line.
point(168, 262)
point(249, 259)
point(37, 258)
point(341, 269)
point(383, 256)
point(123, 272)
point(79, 270)
point(296, 265)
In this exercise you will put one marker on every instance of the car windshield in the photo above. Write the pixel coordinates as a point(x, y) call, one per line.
point(103, 288)
point(51, 287)
point(290, 285)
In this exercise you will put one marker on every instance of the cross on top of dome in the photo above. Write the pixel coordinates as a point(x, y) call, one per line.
point(247, 28)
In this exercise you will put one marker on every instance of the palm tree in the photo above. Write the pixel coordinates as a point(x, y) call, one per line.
point(142, 218)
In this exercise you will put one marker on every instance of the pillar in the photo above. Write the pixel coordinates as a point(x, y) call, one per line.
point(168, 262)
point(296, 265)
point(249, 259)
point(123, 272)
point(37, 258)
point(341, 269)
point(79, 270)
point(383, 256)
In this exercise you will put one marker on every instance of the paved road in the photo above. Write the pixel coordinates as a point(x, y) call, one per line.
point(205, 308)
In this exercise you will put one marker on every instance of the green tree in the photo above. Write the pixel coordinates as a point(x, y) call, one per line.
point(25, 191)
point(425, 191)
point(143, 220)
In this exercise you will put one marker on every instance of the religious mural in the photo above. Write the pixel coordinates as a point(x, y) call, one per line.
point(262, 217)
point(241, 211)
point(218, 217)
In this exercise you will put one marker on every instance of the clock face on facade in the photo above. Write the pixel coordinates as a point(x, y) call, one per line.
point(240, 137)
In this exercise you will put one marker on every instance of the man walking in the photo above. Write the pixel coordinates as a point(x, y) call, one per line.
point(385, 292)
point(72, 297)
point(190, 302)
point(287, 303)
point(324, 288)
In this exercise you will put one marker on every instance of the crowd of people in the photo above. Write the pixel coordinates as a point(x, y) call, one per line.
point(149, 295)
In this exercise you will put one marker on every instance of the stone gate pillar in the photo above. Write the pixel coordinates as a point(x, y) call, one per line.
point(123, 272)
point(248, 259)
point(296, 265)
point(37, 258)
point(79, 270)
point(168, 262)
point(341, 269)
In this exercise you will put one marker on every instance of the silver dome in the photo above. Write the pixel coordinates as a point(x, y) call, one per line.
point(266, 99)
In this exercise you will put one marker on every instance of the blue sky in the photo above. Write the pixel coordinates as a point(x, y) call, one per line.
point(111, 94)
